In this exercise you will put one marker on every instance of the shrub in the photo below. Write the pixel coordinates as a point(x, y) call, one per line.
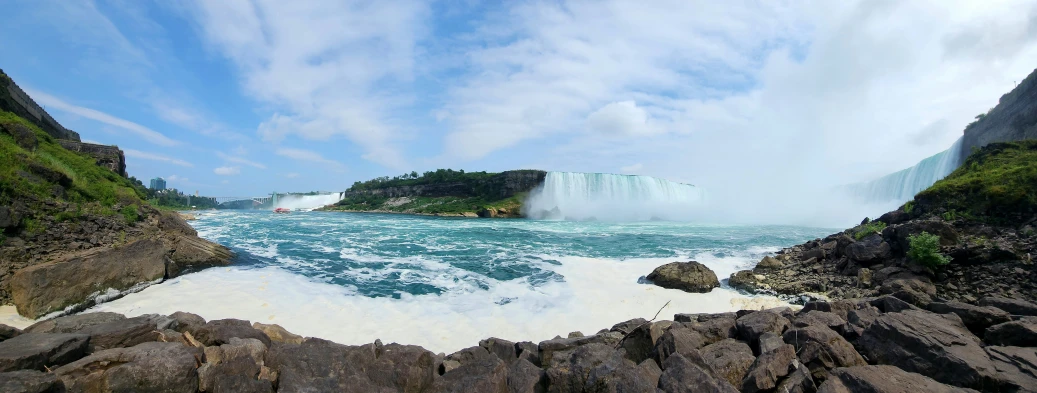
point(925, 250)
point(864, 230)
point(129, 212)
point(950, 215)
point(909, 206)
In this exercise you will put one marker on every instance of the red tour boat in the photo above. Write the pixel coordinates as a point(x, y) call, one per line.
point(282, 210)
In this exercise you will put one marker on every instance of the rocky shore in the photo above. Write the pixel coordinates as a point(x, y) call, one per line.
point(879, 344)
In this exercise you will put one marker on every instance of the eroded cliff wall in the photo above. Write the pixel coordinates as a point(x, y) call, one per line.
point(1013, 119)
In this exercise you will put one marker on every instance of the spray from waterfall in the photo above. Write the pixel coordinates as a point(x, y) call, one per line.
point(307, 202)
point(608, 197)
point(900, 187)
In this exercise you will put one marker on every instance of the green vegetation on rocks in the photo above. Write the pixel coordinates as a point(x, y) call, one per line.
point(925, 250)
point(863, 230)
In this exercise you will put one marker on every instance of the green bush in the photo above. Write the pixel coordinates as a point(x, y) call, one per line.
point(130, 213)
point(909, 206)
point(863, 231)
point(925, 250)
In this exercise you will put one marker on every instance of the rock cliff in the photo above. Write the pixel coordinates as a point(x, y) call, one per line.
point(1013, 119)
point(13, 99)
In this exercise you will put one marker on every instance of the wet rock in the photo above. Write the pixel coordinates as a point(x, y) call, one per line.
point(689, 374)
point(769, 262)
point(678, 339)
point(277, 333)
point(871, 249)
point(76, 279)
point(187, 322)
point(822, 349)
point(153, 366)
point(687, 276)
point(929, 344)
point(1016, 333)
point(1012, 306)
point(799, 381)
point(744, 280)
point(751, 326)
point(30, 381)
point(73, 323)
point(768, 369)
point(882, 379)
point(34, 351)
point(976, 318)
point(1016, 368)
point(220, 331)
point(7, 332)
point(729, 359)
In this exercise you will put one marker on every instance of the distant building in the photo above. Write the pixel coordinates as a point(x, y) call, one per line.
point(158, 184)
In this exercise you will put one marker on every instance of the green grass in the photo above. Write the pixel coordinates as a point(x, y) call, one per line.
point(997, 183)
point(925, 250)
point(429, 205)
point(862, 231)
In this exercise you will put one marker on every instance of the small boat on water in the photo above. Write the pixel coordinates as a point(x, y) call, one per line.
point(282, 210)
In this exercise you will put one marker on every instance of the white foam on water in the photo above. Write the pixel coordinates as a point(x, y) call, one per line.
point(9, 316)
point(596, 294)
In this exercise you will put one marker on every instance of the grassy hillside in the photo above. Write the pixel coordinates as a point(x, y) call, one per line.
point(50, 176)
point(431, 205)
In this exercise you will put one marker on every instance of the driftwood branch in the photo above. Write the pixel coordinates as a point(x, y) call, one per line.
point(642, 325)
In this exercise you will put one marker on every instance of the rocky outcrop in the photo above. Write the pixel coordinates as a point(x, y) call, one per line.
point(687, 276)
point(1013, 119)
point(110, 157)
point(499, 186)
point(13, 99)
point(883, 379)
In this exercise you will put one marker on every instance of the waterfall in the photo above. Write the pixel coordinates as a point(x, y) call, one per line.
point(307, 202)
point(602, 196)
point(902, 186)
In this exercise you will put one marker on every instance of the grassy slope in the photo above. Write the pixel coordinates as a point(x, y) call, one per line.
point(93, 189)
point(997, 183)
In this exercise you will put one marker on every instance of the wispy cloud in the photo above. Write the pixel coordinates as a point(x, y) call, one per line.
point(148, 134)
point(192, 120)
point(309, 156)
point(155, 157)
point(632, 168)
point(239, 160)
point(227, 170)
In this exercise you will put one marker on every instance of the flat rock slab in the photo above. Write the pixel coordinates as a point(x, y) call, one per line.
point(684, 375)
point(148, 367)
point(883, 379)
point(1012, 306)
point(1015, 333)
point(73, 323)
point(1016, 368)
point(34, 351)
point(220, 331)
point(976, 318)
point(687, 276)
point(7, 332)
point(322, 366)
point(30, 381)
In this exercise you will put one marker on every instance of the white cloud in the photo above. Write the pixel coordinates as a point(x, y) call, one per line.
point(155, 157)
point(327, 69)
point(309, 156)
point(176, 178)
point(182, 116)
point(148, 134)
point(620, 118)
point(227, 170)
point(632, 168)
point(239, 160)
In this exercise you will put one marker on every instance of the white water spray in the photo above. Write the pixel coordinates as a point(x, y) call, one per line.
point(602, 196)
point(900, 187)
point(307, 202)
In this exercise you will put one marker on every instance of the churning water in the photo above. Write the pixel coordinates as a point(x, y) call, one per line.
point(610, 197)
point(446, 283)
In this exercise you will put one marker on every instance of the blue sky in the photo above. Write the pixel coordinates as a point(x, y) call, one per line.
point(239, 98)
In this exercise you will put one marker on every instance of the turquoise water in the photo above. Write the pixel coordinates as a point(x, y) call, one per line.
point(446, 283)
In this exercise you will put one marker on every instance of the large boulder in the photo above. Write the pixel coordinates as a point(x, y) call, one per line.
point(751, 326)
point(617, 374)
point(191, 253)
point(220, 331)
point(799, 381)
point(485, 373)
point(572, 369)
point(948, 235)
point(7, 332)
point(882, 379)
point(153, 366)
point(549, 348)
point(838, 307)
point(730, 359)
point(234, 367)
point(1021, 333)
point(30, 381)
point(689, 374)
point(278, 333)
point(715, 329)
point(938, 346)
point(686, 276)
point(73, 323)
point(819, 318)
point(1012, 306)
point(79, 279)
point(768, 369)
point(744, 280)
point(318, 366)
point(1016, 368)
point(871, 249)
point(678, 339)
point(821, 349)
point(187, 322)
point(35, 351)
point(976, 318)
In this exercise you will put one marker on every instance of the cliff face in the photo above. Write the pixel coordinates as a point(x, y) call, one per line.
point(110, 157)
point(1013, 119)
point(13, 99)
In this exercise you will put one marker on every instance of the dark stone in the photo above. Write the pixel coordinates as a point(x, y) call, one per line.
point(819, 318)
point(318, 365)
point(628, 326)
point(729, 359)
point(837, 307)
point(548, 348)
point(821, 350)
point(910, 290)
point(485, 373)
point(751, 326)
point(153, 366)
point(948, 236)
point(73, 323)
point(1016, 368)
point(616, 375)
point(9, 218)
point(234, 367)
point(220, 331)
point(929, 344)
point(882, 379)
point(800, 381)
point(769, 369)
point(528, 351)
point(976, 318)
point(704, 317)
point(744, 280)
point(871, 249)
point(187, 322)
point(526, 377)
point(684, 374)
point(120, 333)
point(30, 381)
point(572, 369)
point(504, 349)
point(7, 332)
point(687, 276)
point(1012, 306)
point(638, 344)
point(717, 329)
point(859, 320)
point(891, 304)
point(1016, 334)
point(769, 342)
point(34, 351)
point(677, 340)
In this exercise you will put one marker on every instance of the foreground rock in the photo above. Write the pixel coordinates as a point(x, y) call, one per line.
point(38, 351)
point(882, 379)
point(153, 366)
point(686, 276)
